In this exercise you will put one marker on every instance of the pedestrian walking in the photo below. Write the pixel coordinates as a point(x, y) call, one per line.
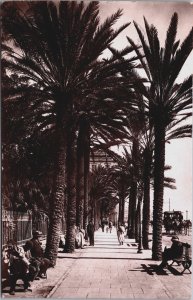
point(110, 226)
point(121, 234)
point(80, 238)
point(103, 226)
point(90, 232)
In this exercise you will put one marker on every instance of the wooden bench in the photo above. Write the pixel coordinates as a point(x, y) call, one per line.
point(186, 259)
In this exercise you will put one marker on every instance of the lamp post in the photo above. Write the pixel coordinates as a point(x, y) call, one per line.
point(140, 248)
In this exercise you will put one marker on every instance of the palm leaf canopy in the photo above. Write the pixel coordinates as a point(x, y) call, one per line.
point(103, 187)
point(55, 50)
point(164, 98)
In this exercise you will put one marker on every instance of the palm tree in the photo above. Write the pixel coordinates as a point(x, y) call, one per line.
point(102, 192)
point(103, 119)
point(165, 100)
point(55, 50)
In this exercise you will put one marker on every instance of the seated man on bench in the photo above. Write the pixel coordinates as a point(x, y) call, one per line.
point(38, 253)
point(175, 251)
point(18, 265)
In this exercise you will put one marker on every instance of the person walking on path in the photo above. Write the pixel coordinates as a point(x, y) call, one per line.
point(90, 231)
point(121, 234)
point(103, 226)
point(110, 226)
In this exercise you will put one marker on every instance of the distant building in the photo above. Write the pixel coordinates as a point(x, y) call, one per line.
point(100, 158)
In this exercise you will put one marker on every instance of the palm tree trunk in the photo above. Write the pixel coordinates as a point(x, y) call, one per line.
point(133, 192)
point(146, 201)
point(57, 204)
point(123, 209)
point(129, 216)
point(71, 192)
point(86, 175)
point(137, 221)
point(95, 215)
point(120, 209)
point(80, 178)
point(159, 164)
point(91, 206)
point(132, 200)
point(122, 204)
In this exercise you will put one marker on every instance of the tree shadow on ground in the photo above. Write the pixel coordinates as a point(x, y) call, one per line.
point(112, 258)
point(5, 287)
point(152, 269)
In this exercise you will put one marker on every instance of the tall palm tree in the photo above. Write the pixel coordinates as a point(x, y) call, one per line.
point(103, 119)
point(55, 48)
point(102, 192)
point(165, 100)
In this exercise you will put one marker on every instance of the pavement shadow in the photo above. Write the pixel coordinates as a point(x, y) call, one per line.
point(106, 244)
point(118, 247)
point(152, 269)
point(4, 283)
point(95, 257)
point(5, 287)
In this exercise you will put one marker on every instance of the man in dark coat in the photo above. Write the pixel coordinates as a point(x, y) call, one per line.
point(90, 232)
point(38, 253)
point(18, 265)
point(175, 251)
point(110, 226)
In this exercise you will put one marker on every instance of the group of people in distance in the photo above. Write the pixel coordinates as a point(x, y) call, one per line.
point(80, 235)
point(106, 226)
point(25, 262)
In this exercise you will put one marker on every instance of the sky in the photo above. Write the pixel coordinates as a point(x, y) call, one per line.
point(178, 152)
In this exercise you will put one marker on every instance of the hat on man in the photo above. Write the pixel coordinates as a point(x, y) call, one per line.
point(175, 238)
point(37, 233)
point(28, 245)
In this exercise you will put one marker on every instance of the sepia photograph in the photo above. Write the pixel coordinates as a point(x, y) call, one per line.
point(96, 149)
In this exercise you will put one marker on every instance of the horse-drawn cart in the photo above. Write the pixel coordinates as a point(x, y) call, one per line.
point(174, 223)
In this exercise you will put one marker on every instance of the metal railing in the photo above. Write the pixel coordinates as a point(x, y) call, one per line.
point(16, 226)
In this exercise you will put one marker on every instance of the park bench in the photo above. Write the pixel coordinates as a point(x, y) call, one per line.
point(185, 260)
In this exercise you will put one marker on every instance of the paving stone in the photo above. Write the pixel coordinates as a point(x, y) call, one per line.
point(93, 295)
point(65, 292)
point(144, 296)
point(137, 290)
point(163, 296)
point(121, 296)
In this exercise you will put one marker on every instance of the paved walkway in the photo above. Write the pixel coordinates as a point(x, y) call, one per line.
point(108, 270)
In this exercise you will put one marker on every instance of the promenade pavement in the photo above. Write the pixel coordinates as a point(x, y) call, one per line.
point(109, 270)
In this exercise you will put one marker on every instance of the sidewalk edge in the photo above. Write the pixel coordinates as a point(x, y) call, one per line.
point(49, 295)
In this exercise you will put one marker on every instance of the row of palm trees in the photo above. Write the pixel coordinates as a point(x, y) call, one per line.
point(56, 84)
